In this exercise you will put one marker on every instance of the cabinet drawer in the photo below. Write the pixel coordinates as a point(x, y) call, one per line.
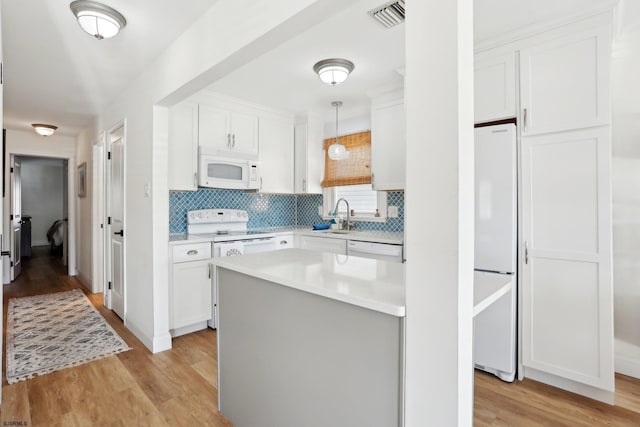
point(191, 252)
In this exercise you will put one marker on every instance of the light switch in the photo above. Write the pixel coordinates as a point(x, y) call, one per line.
point(392, 212)
point(147, 190)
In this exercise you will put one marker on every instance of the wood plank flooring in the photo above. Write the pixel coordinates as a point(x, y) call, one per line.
point(178, 387)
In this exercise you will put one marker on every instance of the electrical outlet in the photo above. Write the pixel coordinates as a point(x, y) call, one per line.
point(392, 212)
point(320, 210)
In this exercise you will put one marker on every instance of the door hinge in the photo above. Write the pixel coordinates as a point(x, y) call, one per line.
point(1, 73)
point(11, 263)
point(109, 220)
point(109, 155)
point(101, 225)
point(11, 170)
point(11, 217)
point(109, 285)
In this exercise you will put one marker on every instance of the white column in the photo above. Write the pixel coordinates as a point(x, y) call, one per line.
point(439, 220)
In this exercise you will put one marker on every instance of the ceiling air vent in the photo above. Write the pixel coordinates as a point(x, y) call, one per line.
point(389, 14)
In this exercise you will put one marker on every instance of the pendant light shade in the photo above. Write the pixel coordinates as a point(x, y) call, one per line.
point(44, 130)
point(336, 150)
point(333, 71)
point(97, 19)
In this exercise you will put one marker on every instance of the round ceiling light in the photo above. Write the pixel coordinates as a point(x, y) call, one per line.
point(97, 19)
point(333, 71)
point(44, 130)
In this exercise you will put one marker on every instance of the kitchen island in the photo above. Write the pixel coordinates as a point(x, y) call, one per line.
point(310, 339)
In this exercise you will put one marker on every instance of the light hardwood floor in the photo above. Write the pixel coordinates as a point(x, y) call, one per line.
point(178, 387)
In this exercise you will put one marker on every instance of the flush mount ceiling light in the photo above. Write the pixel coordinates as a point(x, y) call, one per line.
point(336, 150)
point(333, 71)
point(44, 130)
point(97, 19)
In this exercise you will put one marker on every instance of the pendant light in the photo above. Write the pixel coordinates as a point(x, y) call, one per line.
point(336, 150)
point(44, 130)
point(97, 19)
point(333, 71)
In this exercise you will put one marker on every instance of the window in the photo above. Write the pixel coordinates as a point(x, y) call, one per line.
point(351, 179)
point(363, 200)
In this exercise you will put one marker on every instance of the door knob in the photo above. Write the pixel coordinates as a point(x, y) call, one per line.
point(121, 233)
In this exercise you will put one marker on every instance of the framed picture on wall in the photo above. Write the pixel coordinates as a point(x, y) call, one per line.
point(82, 179)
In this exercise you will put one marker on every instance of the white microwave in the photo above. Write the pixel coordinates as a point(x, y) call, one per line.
point(222, 172)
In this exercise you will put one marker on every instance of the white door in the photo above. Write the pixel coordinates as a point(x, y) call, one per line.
point(15, 218)
point(566, 256)
point(388, 141)
point(276, 150)
point(494, 87)
point(97, 220)
point(564, 83)
point(244, 133)
point(213, 128)
point(65, 213)
point(116, 219)
point(183, 147)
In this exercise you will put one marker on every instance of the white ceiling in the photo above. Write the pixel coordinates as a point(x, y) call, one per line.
point(55, 73)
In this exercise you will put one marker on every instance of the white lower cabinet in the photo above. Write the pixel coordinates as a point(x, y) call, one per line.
point(323, 244)
point(190, 287)
point(567, 303)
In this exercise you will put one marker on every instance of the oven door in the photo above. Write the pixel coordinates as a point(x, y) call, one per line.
point(223, 249)
point(259, 245)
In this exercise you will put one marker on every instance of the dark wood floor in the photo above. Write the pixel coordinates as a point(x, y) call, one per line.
point(178, 387)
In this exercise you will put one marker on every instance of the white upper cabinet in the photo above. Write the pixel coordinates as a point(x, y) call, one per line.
point(227, 132)
point(564, 83)
point(309, 154)
point(276, 154)
point(388, 142)
point(183, 147)
point(494, 86)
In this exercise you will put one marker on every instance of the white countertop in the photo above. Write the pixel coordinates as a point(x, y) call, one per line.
point(488, 288)
point(368, 283)
point(394, 238)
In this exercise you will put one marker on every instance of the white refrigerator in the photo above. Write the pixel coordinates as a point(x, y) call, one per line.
point(494, 337)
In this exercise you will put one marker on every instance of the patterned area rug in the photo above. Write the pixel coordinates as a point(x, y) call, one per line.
point(47, 333)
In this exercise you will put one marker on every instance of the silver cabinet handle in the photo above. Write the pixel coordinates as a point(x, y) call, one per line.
point(283, 242)
point(372, 180)
point(261, 183)
point(228, 140)
point(233, 139)
point(192, 252)
point(304, 185)
point(526, 252)
point(209, 270)
point(524, 117)
point(195, 179)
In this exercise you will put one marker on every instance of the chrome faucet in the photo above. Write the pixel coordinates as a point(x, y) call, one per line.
point(348, 211)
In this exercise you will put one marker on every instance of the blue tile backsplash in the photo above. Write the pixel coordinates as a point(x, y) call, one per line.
point(268, 210)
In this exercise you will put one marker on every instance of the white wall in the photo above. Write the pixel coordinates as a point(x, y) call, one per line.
point(42, 195)
point(225, 37)
point(626, 187)
point(83, 154)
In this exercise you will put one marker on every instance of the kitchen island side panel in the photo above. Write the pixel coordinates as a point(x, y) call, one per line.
point(290, 358)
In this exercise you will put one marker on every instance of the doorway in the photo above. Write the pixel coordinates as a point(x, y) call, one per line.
point(39, 211)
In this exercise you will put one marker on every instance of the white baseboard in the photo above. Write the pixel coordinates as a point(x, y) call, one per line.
point(569, 385)
point(161, 343)
point(154, 344)
point(627, 359)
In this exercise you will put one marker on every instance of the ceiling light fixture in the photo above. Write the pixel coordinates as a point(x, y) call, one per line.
point(44, 130)
point(336, 150)
point(97, 19)
point(333, 71)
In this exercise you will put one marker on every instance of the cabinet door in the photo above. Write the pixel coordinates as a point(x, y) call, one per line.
point(566, 256)
point(183, 147)
point(388, 141)
point(323, 244)
point(564, 83)
point(214, 128)
point(494, 87)
point(190, 293)
point(309, 155)
point(244, 133)
point(276, 156)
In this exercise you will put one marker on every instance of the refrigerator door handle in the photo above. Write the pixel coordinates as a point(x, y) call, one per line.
point(526, 252)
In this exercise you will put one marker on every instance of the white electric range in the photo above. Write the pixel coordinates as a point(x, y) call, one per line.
point(227, 228)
